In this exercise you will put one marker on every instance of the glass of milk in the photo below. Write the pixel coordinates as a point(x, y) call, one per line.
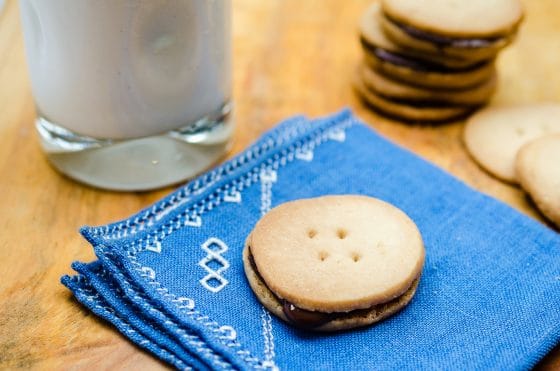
point(130, 94)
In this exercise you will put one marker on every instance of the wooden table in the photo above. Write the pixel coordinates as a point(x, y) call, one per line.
point(290, 57)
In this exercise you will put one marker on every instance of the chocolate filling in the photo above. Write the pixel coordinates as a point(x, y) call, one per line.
point(444, 41)
point(307, 319)
point(427, 104)
point(414, 64)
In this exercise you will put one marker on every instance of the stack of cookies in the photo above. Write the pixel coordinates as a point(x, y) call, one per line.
point(433, 61)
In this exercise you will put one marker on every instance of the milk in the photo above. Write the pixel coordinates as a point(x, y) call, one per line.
point(122, 69)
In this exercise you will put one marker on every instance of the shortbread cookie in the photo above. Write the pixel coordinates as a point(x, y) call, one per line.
point(406, 111)
point(460, 19)
point(334, 262)
point(493, 136)
point(375, 42)
point(393, 89)
point(475, 29)
point(538, 170)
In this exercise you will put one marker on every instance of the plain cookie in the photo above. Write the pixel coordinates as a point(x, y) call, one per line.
point(494, 135)
point(458, 18)
point(538, 171)
point(334, 262)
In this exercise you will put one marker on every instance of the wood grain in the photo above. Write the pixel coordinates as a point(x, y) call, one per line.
point(290, 57)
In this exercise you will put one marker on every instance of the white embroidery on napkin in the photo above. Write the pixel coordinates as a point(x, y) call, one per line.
point(305, 155)
point(338, 135)
point(233, 197)
point(149, 272)
point(214, 281)
point(195, 222)
point(228, 332)
point(156, 247)
point(184, 303)
point(251, 177)
point(268, 176)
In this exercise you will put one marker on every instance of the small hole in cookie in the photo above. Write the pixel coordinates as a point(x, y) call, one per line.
point(341, 233)
point(323, 255)
point(380, 247)
point(356, 257)
point(520, 131)
point(311, 233)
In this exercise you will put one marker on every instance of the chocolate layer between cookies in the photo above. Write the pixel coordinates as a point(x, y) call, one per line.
point(443, 41)
point(416, 63)
point(314, 320)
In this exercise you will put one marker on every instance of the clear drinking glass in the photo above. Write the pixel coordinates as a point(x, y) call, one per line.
point(130, 94)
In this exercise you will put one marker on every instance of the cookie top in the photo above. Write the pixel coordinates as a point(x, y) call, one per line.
point(538, 170)
point(457, 18)
point(494, 135)
point(373, 36)
point(337, 253)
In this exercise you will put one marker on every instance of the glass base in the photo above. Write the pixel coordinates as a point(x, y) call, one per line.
point(139, 164)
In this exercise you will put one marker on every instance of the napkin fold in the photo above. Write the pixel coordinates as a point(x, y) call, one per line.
point(171, 279)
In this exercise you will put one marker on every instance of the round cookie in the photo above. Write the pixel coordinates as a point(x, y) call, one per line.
point(457, 18)
point(334, 262)
point(538, 171)
point(393, 89)
point(406, 111)
point(473, 50)
point(373, 38)
point(494, 135)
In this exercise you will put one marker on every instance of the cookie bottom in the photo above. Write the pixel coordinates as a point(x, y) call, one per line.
point(342, 321)
point(407, 112)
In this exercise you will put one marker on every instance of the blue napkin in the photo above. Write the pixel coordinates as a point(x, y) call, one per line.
point(171, 279)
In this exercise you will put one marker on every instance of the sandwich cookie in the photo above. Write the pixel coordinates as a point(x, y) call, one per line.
point(538, 171)
point(423, 75)
point(375, 43)
point(494, 135)
point(401, 92)
point(334, 262)
point(474, 30)
point(408, 111)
